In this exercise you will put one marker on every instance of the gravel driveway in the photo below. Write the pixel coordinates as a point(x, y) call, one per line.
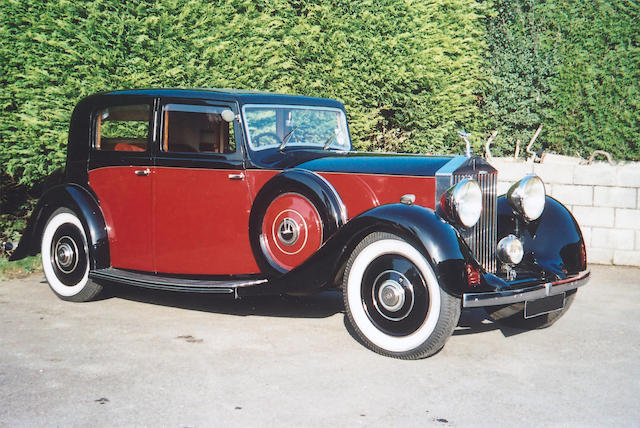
point(149, 358)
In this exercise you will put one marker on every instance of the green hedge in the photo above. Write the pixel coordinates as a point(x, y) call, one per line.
point(408, 71)
point(573, 66)
point(596, 86)
point(411, 73)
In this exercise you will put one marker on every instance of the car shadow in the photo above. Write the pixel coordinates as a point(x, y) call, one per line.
point(320, 305)
point(476, 320)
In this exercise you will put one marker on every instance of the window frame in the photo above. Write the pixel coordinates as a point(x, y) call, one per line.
point(95, 120)
point(239, 153)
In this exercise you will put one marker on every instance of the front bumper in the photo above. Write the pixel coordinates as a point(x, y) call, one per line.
point(534, 292)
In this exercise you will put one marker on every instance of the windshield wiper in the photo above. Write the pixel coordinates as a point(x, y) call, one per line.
point(327, 143)
point(286, 138)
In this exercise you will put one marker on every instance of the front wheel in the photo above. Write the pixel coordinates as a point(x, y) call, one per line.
point(393, 299)
point(65, 258)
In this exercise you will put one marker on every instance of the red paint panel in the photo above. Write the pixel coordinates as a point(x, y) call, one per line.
point(125, 200)
point(257, 178)
point(361, 192)
point(201, 222)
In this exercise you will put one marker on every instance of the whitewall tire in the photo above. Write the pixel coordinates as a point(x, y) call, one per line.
point(393, 299)
point(65, 257)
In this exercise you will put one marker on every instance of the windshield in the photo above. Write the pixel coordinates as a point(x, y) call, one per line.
point(271, 125)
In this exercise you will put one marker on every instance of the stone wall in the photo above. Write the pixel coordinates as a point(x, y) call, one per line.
point(604, 198)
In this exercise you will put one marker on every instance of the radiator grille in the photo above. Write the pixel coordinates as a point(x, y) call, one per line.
point(482, 238)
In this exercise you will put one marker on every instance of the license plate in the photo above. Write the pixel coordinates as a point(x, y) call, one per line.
point(534, 308)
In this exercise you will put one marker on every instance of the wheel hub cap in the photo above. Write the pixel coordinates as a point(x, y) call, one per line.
point(391, 295)
point(288, 231)
point(65, 254)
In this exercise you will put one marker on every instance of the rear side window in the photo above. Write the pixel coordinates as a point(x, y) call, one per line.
point(123, 128)
point(196, 129)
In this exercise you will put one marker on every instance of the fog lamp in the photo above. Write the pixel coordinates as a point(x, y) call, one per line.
point(510, 250)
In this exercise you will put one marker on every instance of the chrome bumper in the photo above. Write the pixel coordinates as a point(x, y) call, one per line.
point(507, 297)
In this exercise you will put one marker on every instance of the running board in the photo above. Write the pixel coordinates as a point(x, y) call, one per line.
point(171, 283)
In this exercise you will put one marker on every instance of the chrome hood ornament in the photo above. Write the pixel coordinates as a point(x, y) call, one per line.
point(465, 137)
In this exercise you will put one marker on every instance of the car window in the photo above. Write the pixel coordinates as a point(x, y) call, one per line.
point(269, 125)
point(199, 129)
point(123, 128)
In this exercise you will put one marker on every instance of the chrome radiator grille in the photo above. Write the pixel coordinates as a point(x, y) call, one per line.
point(482, 238)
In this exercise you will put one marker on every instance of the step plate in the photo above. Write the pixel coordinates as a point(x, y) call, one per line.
point(171, 283)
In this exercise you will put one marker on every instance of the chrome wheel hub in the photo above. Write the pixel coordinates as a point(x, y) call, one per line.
point(66, 254)
point(288, 231)
point(391, 295)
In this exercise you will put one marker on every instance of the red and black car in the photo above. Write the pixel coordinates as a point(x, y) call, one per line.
point(243, 193)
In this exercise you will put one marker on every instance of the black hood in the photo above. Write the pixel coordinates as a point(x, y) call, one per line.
point(354, 162)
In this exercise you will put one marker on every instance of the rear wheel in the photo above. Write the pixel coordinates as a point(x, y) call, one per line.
point(513, 315)
point(65, 257)
point(393, 299)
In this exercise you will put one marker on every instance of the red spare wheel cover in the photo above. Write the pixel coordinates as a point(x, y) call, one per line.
point(291, 230)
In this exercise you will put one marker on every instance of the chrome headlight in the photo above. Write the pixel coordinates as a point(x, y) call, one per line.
point(463, 202)
point(527, 197)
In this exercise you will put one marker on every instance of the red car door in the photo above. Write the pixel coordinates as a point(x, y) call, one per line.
point(201, 201)
point(120, 167)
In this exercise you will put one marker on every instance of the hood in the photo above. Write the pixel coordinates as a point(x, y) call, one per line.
point(358, 162)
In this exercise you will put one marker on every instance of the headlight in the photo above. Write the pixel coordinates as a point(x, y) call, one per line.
point(463, 202)
point(527, 197)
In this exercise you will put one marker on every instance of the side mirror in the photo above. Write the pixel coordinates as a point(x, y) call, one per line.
point(228, 115)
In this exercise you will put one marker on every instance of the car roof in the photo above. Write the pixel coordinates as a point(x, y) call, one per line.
point(242, 96)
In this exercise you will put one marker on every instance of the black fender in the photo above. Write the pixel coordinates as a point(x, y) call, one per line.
point(436, 239)
point(85, 205)
point(318, 190)
point(553, 242)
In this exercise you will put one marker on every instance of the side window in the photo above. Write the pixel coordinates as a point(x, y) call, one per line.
point(123, 128)
point(194, 128)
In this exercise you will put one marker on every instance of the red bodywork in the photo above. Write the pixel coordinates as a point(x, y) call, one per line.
point(195, 221)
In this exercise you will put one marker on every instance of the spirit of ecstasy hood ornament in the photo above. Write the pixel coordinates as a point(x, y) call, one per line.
point(465, 136)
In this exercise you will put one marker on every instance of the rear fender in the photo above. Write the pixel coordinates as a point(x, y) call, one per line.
point(80, 201)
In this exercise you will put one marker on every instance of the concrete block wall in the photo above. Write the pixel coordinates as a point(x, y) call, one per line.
point(604, 198)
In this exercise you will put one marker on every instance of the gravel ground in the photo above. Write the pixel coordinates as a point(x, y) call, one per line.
point(148, 358)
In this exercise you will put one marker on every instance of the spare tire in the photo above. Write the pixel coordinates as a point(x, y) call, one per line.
point(292, 216)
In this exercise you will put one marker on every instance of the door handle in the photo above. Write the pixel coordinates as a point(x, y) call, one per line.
point(142, 172)
point(236, 176)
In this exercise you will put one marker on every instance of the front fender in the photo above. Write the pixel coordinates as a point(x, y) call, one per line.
point(437, 240)
point(80, 201)
point(553, 242)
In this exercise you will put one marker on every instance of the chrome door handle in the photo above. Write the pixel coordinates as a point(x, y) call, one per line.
point(142, 172)
point(236, 176)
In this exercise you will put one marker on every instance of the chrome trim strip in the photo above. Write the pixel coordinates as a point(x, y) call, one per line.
point(507, 297)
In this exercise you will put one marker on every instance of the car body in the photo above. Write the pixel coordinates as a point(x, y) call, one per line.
point(247, 193)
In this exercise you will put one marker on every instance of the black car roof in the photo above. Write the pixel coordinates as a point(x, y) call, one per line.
point(242, 96)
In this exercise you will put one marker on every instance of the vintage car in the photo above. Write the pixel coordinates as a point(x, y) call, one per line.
point(247, 193)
